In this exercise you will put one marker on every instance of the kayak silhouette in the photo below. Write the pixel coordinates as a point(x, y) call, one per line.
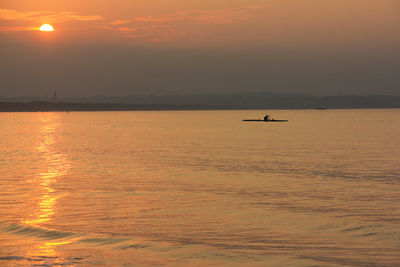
point(272, 120)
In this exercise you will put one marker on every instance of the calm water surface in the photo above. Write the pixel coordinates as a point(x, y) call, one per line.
point(195, 188)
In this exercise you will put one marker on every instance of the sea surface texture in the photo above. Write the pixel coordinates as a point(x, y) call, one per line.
point(200, 188)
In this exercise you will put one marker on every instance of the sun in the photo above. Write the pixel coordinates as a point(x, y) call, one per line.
point(46, 28)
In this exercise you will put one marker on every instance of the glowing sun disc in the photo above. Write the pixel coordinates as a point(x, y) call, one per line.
point(46, 28)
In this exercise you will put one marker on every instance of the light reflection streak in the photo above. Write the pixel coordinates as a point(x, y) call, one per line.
point(54, 166)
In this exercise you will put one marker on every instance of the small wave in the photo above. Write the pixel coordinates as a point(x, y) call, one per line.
point(353, 229)
point(42, 233)
point(69, 237)
point(44, 260)
point(18, 258)
point(103, 241)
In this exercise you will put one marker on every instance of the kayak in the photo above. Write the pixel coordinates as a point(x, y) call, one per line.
point(269, 120)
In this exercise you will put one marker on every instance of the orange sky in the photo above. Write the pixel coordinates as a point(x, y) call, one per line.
point(293, 45)
point(198, 22)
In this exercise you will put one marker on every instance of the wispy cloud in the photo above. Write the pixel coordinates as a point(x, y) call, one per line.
point(154, 33)
point(215, 16)
point(171, 25)
point(12, 16)
point(257, 6)
point(222, 16)
point(17, 29)
point(120, 22)
point(160, 28)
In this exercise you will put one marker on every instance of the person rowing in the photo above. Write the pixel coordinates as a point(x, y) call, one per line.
point(267, 118)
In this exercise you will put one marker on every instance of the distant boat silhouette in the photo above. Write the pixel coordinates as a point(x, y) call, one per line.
point(273, 120)
point(267, 118)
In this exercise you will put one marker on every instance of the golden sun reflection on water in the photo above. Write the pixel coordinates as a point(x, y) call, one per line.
point(53, 166)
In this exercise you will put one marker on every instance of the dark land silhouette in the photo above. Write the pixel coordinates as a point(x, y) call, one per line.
point(202, 102)
point(49, 106)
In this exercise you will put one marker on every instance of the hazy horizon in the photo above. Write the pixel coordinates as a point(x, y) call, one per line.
point(59, 95)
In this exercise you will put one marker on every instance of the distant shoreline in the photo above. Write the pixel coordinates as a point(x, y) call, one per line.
point(41, 106)
point(51, 107)
point(229, 101)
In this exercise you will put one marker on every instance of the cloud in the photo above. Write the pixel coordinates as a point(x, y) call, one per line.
point(165, 27)
point(14, 16)
point(120, 22)
point(17, 29)
point(154, 33)
point(215, 16)
point(257, 6)
point(222, 16)
point(152, 28)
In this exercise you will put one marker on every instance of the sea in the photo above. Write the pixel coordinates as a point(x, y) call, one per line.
point(200, 188)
